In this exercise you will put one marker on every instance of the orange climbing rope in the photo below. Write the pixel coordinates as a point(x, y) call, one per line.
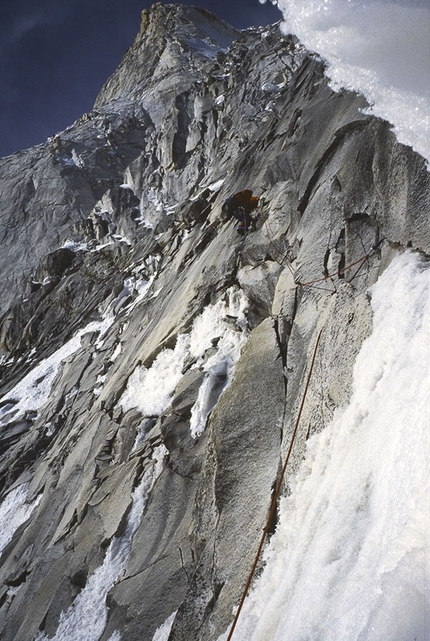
point(360, 262)
point(338, 273)
point(276, 494)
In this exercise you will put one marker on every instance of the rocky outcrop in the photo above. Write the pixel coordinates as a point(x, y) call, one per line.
point(151, 354)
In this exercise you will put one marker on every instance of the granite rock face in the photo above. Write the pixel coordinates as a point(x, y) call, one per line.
point(152, 360)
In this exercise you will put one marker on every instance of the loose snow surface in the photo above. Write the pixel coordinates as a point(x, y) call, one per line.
point(350, 557)
point(151, 389)
point(380, 48)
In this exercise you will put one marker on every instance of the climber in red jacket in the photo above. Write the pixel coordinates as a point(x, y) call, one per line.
point(240, 206)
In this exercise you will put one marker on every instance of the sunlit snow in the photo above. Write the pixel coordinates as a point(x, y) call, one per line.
point(219, 366)
point(220, 327)
point(216, 185)
point(75, 245)
point(14, 511)
point(380, 48)
point(33, 391)
point(350, 557)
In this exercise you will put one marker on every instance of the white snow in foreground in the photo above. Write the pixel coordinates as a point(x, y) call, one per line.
point(350, 557)
point(151, 389)
point(14, 511)
point(380, 48)
point(86, 618)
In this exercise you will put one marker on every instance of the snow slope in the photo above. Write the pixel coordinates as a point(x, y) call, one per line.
point(350, 557)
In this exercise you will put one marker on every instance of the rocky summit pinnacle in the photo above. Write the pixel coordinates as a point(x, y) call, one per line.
point(174, 47)
point(152, 358)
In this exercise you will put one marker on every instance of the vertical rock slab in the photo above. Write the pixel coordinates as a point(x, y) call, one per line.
point(234, 494)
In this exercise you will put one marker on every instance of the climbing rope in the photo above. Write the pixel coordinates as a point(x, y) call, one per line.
point(339, 272)
point(360, 262)
point(285, 262)
point(284, 259)
point(276, 494)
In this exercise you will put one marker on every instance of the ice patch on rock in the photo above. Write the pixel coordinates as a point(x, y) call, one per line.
point(86, 618)
point(14, 511)
point(162, 633)
point(220, 327)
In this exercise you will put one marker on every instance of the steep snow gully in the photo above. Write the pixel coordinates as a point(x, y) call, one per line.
point(153, 361)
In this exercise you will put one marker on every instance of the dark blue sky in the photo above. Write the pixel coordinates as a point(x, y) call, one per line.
point(55, 55)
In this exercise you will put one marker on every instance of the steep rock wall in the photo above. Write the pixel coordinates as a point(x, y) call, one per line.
point(114, 229)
